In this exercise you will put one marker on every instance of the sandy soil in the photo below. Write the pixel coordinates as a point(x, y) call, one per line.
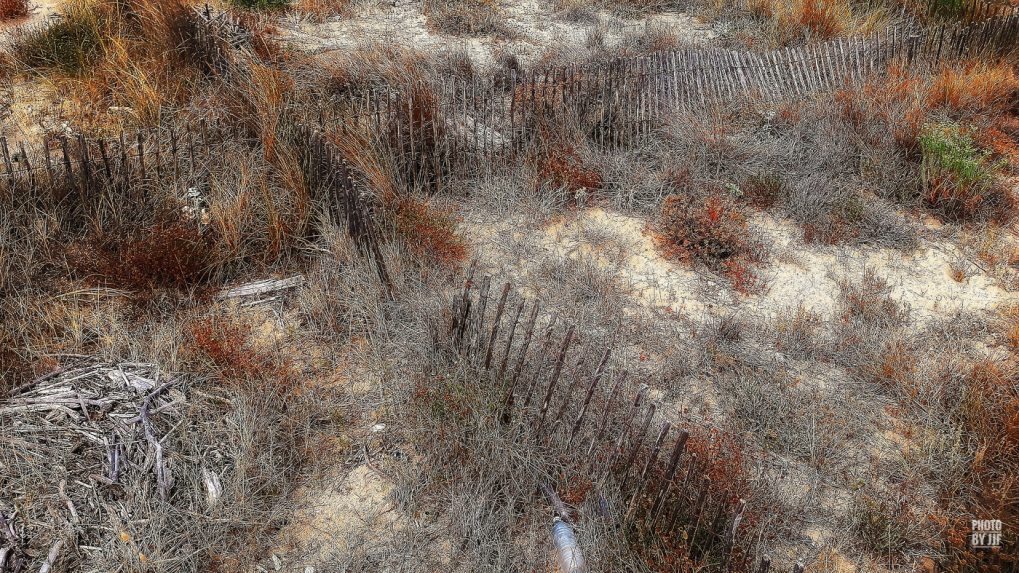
point(532, 27)
point(799, 274)
point(333, 520)
point(32, 105)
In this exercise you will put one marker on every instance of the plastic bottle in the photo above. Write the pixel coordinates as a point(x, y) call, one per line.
point(567, 551)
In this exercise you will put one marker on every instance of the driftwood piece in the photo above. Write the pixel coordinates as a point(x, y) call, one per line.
point(261, 287)
point(164, 480)
point(52, 556)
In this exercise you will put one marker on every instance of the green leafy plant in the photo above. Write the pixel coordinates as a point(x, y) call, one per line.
point(958, 177)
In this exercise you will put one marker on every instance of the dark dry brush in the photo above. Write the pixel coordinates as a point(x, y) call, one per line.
point(13, 9)
point(122, 464)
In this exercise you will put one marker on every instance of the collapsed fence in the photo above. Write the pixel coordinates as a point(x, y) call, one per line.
point(430, 132)
point(629, 446)
point(467, 126)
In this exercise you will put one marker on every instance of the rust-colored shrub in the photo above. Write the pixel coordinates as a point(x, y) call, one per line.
point(894, 367)
point(711, 229)
point(564, 169)
point(167, 254)
point(1002, 145)
point(725, 461)
point(428, 232)
point(988, 414)
point(764, 190)
point(230, 349)
point(11, 9)
point(321, 10)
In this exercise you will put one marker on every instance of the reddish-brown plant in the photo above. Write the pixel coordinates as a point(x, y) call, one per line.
point(563, 168)
point(11, 9)
point(167, 254)
point(230, 348)
point(711, 229)
point(430, 233)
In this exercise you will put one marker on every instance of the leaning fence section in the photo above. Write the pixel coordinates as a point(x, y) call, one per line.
point(432, 130)
point(629, 446)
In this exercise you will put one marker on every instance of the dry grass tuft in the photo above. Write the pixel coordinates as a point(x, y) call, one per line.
point(466, 17)
point(820, 19)
point(869, 302)
point(265, 5)
point(71, 45)
point(801, 21)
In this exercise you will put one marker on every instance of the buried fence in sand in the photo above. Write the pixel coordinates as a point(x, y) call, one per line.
point(467, 125)
point(423, 132)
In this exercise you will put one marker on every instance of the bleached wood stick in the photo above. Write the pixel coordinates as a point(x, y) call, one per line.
point(51, 557)
point(262, 287)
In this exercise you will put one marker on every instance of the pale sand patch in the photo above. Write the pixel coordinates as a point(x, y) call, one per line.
point(798, 274)
point(532, 28)
point(619, 242)
point(834, 561)
point(921, 280)
point(334, 520)
point(34, 110)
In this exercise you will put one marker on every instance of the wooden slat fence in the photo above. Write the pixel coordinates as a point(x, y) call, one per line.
point(84, 164)
point(333, 186)
point(440, 129)
point(631, 448)
point(578, 398)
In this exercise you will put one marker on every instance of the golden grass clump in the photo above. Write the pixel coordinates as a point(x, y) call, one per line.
point(975, 87)
point(806, 20)
point(322, 10)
